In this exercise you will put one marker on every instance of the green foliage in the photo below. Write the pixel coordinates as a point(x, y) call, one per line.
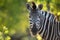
point(4, 34)
point(14, 15)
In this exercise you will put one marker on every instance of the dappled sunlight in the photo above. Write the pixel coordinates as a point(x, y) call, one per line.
point(4, 32)
point(39, 37)
point(30, 0)
point(14, 18)
point(58, 14)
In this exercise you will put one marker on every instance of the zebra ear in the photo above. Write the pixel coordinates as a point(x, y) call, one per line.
point(33, 5)
point(40, 6)
point(28, 6)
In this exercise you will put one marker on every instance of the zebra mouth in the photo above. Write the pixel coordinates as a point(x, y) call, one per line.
point(32, 33)
point(34, 30)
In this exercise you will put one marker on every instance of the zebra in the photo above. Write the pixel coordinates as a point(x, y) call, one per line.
point(43, 23)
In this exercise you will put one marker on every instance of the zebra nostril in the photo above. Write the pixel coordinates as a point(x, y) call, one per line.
point(34, 29)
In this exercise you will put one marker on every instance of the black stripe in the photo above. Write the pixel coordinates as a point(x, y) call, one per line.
point(45, 13)
point(50, 30)
point(43, 23)
point(42, 12)
point(58, 29)
point(46, 25)
point(45, 18)
point(52, 35)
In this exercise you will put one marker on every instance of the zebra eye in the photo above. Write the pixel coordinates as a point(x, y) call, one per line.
point(29, 16)
point(30, 23)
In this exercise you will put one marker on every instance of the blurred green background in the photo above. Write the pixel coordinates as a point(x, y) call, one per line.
point(14, 20)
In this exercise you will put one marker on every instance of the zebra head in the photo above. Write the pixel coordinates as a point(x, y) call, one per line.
point(36, 18)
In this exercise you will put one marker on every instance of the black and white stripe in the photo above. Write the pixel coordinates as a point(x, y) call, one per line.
point(45, 24)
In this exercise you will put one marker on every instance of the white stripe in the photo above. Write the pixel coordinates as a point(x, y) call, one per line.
point(53, 37)
point(43, 13)
point(52, 28)
point(45, 23)
point(42, 25)
point(48, 27)
point(58, 28)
